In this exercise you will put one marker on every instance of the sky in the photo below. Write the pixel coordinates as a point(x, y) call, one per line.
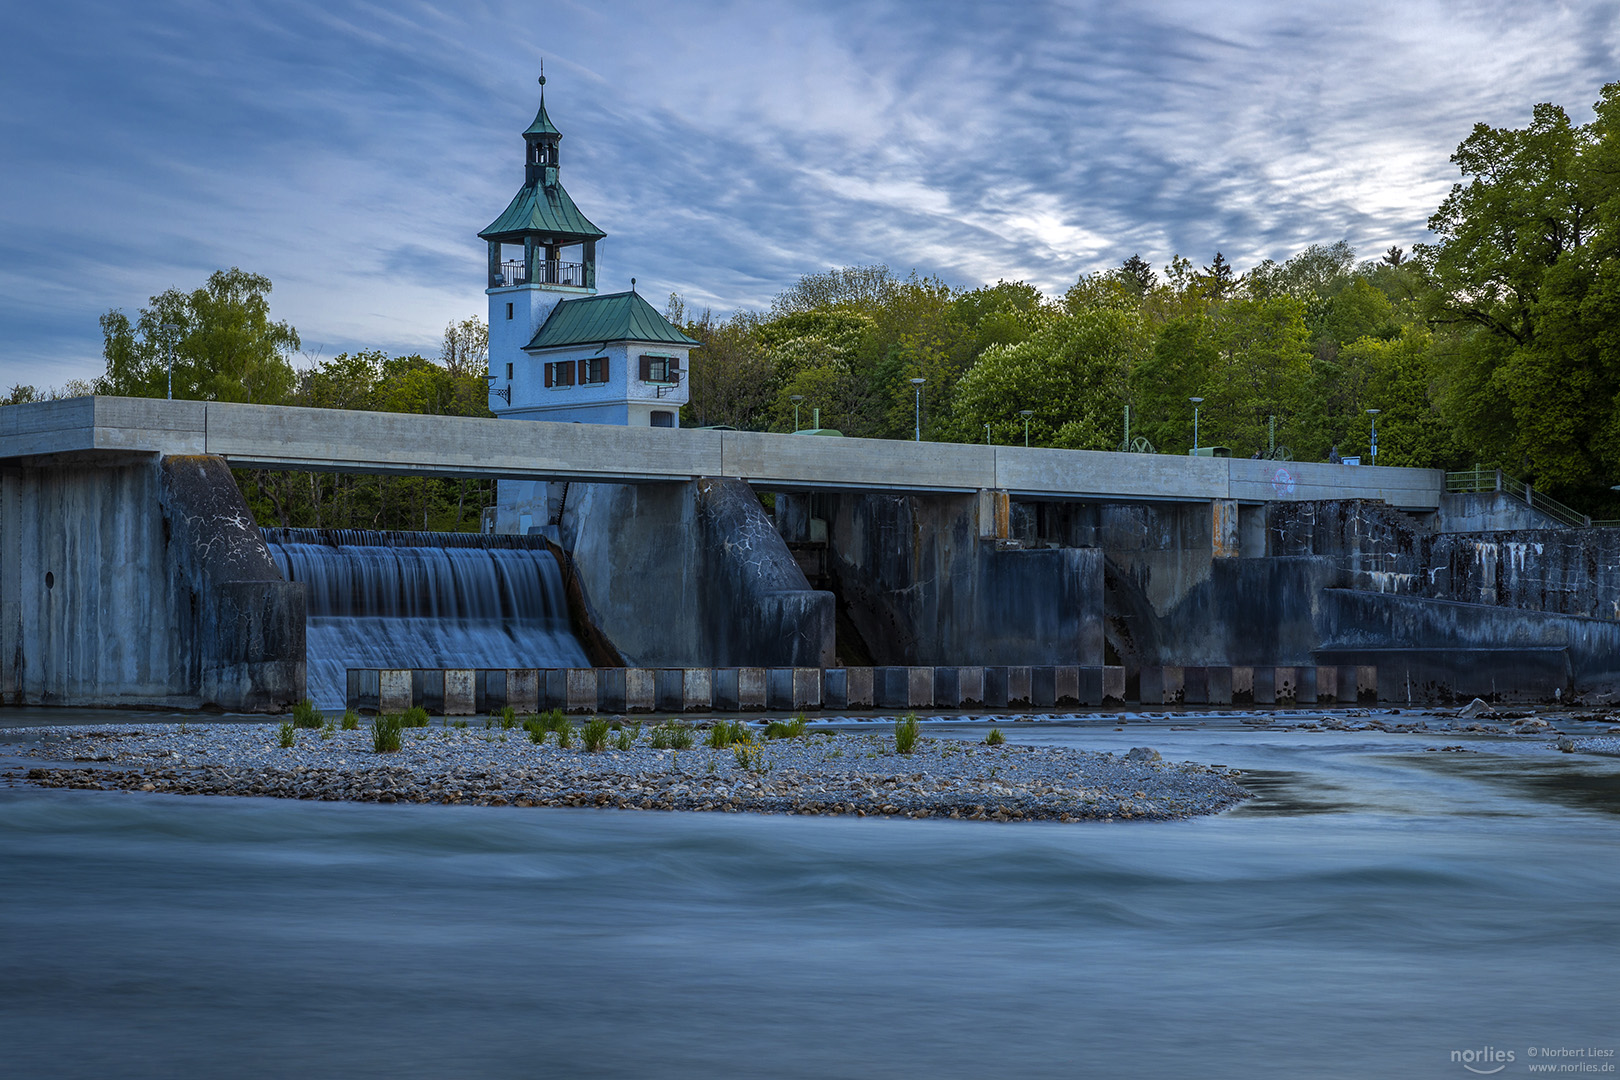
point(352, 151)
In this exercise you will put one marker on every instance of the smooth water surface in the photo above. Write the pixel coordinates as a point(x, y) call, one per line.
point(1379, 907)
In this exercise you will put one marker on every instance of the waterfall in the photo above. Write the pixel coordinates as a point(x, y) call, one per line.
point(424, 600)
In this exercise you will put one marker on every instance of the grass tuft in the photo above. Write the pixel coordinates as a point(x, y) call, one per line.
point(787, 729)
point(351, 720)
point(415, 716)
point(305, 715)
point(626, 739)
point(385, 733)
point(995, 737)
point(289, 735)
point(672, 735)
point(595, 734)
point(905, 733)
point(727, 733)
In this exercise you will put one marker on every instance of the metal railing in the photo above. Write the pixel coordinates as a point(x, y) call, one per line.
point(1473, 481)
point(552, 272)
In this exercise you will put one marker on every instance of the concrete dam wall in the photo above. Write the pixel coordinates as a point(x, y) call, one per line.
point(142, 583)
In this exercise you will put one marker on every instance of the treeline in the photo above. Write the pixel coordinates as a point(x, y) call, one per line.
point(225, 347)
point(1497, 344)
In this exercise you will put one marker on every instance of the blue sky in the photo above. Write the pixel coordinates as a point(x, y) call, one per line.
point(352, 151)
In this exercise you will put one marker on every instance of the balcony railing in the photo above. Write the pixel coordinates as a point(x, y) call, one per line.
point(551, 272)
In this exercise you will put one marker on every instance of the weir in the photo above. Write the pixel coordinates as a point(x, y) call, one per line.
point(440, 600)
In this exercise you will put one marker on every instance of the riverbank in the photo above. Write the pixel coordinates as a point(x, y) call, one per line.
point(819, 772)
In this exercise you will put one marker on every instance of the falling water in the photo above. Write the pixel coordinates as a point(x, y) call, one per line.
point(424, 600)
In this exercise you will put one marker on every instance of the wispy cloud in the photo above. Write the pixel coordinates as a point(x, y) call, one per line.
point(351, 151)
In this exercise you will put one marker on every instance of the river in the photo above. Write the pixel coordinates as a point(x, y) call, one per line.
point(1379, 907)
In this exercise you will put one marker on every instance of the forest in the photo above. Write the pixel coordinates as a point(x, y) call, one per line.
point(1494, 343)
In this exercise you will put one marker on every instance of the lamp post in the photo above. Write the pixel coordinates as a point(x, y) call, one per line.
point(1196, 401)
point(1026, 414)
point(987, 434)
point(796, 398)
point(917, 385)
point(169, 329)
point(1372, 451)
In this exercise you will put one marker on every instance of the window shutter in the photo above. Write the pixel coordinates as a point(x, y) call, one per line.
point(646, 368)
point(584, 372)
point(604, 371)
point(549, 375)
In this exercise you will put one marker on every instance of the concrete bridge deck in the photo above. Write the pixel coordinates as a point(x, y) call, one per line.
point(330, 440)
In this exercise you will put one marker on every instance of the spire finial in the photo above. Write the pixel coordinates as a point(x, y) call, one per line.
point(632, 284)
point(542, 75)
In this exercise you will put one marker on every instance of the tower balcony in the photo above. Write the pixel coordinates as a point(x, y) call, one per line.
point(548, 272)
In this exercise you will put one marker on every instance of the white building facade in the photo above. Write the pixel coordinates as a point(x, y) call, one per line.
point(558, 350)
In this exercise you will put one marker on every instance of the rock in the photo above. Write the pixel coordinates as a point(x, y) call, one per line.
point(1566, 744)
point(1143, 753)
point(1474, 708)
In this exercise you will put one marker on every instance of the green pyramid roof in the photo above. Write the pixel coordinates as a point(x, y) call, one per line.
point(541, 208)
point(542, 123)
point(600, 319)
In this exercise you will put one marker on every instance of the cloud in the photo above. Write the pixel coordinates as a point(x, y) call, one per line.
point(351, 151)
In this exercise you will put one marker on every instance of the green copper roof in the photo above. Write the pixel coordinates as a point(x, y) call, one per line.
point(542, 208)
point(600, 319)
point(542, 123)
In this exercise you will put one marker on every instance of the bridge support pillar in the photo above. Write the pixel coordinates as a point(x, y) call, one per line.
point(1224, 533)
point(995, 514)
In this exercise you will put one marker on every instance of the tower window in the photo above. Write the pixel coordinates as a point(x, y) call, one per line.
point(594, 370)
point(508, 311)
point(663, 418)
point(560, 374)
point(508, 371)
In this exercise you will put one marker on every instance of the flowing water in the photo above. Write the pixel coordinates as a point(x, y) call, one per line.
point(1380, 906)
point(420, 600)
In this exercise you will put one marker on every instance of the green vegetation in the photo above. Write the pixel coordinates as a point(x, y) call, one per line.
point(386, 733)
point(415, 717)
point(751, 758)
point(594, 735)
point(787, 729)
point(351, 720)
point(508, 717)
point(672, 735)
point(305, 715)
point(1493, 345)
point(288, 733)
point(995, 737)
point(725, 733)
point(626, 738)
point(328, 730)
point(905, 733)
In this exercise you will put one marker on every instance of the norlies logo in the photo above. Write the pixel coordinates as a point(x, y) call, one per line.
point(1484, 1057)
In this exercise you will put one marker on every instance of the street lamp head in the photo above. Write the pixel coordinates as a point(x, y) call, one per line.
point(1196, 400)
point(795, 398)
point(918, 381)
point(1374, 412)
point(1026, 413)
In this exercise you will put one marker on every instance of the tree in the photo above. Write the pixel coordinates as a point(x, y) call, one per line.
point(1527, 285)
point(225, 347)
point(1072, 374)
point(1139, 272)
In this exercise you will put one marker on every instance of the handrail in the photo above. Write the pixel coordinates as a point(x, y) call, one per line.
point(1471, 481)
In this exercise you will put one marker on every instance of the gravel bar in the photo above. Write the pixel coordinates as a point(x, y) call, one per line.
point(824, 772)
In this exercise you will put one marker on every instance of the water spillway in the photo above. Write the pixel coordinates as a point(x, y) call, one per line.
point(424, 600)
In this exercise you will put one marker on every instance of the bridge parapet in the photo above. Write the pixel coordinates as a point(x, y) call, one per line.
point(283, 437)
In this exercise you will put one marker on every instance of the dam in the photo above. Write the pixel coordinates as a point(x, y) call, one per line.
point(132, 573)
